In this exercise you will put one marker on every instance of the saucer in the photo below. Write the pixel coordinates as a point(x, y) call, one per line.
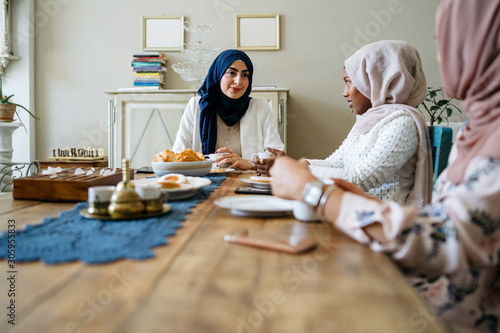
point(255, 205)
point(223, 170)
point(256, 184)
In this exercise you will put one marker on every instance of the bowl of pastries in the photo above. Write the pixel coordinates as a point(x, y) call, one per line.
point(187, 162)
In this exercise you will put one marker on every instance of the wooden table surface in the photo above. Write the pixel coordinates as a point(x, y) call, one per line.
point(199, 283)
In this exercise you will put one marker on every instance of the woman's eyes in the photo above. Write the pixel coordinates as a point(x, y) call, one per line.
point(233, 73)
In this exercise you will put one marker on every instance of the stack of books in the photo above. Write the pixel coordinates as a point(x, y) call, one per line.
point(149, 68)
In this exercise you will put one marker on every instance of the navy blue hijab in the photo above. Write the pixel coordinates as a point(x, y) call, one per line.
point(213, 101)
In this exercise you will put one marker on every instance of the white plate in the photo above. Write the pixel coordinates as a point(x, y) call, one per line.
point(195, 183)
point(255, 205)
point(195, 168)
point(256, 184)
point(221, 170)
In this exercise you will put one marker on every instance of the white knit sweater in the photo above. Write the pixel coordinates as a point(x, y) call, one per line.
point(381, 162)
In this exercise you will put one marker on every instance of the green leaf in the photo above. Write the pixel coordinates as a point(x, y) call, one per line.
point(5, 100)
point(439, 120)
point(31, 114)
point(442, 102)
point(449, 111)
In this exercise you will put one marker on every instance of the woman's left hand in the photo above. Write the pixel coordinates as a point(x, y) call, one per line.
point(263, 165)
point(234, 159)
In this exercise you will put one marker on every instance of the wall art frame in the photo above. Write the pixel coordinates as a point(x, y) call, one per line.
point(162, 33)
point(258, 32)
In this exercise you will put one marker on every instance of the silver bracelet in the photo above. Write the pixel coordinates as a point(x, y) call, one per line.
point(324, 197)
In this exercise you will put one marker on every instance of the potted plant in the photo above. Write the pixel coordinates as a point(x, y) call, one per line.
point(437, 105)
point(8, 108)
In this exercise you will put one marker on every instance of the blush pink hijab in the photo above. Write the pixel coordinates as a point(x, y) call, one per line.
point(390, 74)
point(468, 41)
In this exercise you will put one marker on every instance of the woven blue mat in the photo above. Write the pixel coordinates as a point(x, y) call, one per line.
point(71, 237)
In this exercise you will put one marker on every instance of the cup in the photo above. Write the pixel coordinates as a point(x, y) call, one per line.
point(99, 198)
point(304, 212)
point(213, 158)
point(151, 197)
point(262, 155)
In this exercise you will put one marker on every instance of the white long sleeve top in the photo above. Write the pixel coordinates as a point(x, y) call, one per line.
point(258, 129)
point(381, 162)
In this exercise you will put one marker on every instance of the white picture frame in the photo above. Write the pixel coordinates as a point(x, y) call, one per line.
point(162, 33)
point(258, 32)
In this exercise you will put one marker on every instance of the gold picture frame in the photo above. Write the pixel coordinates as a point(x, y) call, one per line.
point(162, 33)
point(258, 32)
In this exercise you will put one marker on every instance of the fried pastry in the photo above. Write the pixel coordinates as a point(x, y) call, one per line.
point(187, 155)
point(260, 179)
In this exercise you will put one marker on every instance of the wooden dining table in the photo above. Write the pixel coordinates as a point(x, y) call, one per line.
point(200, 283)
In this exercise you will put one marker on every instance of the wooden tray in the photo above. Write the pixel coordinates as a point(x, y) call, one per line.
point(103, 163)
point(65, 187)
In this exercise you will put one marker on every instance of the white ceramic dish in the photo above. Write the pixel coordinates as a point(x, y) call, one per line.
point(256, 184)
point(221, 170)
point(194, 169)
point(195, 183)
point(255, 205)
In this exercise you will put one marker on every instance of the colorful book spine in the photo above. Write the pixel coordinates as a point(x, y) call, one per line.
point(153, 76)
point(145, 59)
point(148, 54)
point(149, 68)
point(145, 64)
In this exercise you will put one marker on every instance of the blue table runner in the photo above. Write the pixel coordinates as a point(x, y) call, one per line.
point(71, 237)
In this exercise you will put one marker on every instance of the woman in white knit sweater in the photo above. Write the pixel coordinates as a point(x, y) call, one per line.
point(387, 152)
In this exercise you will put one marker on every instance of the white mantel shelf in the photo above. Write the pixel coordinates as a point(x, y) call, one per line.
point(144, 121)
point(155, 90)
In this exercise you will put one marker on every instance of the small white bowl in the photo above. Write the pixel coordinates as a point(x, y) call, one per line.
point(194, 169)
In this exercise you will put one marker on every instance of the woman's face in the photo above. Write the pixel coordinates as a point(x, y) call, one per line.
point(235, 80)
point(358, 102)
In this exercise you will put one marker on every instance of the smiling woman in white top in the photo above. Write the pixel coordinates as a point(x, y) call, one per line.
point(224, 118)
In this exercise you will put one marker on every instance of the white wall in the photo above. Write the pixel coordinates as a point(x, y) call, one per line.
point(84, 47)
point(19, 79)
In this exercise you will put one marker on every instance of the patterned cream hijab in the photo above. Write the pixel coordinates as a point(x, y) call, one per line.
point(390, 74)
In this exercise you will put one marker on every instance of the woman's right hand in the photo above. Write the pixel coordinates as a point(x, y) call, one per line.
point(289, 177)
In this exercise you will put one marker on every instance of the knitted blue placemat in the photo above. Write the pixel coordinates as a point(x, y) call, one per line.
point(71, 237)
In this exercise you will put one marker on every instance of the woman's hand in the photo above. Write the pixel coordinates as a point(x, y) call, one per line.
point(233, 159)
point(289, 178)
point(263, 166)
